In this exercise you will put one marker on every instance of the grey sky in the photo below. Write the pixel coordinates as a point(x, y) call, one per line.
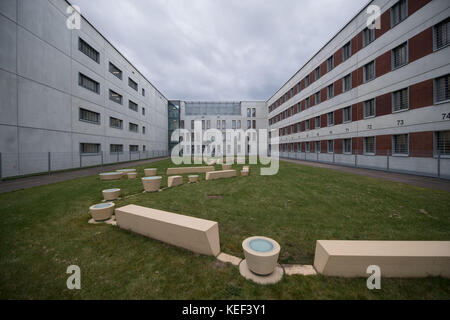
point(219, 49)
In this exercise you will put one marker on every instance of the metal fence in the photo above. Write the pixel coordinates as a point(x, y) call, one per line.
point(419, 163)
point(22, 164)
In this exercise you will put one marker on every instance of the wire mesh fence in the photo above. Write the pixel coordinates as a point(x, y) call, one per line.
point(22, 164)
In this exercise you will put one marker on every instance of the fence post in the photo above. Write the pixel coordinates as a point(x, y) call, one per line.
point(387, 153)
point(0, 166)
point(130, 155)
point(439, 164)
point(49, 163)
point(118, 157)
point(102, 158)
point(356, 157)
point(81, 161)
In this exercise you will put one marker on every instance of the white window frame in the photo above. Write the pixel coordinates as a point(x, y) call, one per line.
point(392, 100)
point(393, 58)
point(374, 108)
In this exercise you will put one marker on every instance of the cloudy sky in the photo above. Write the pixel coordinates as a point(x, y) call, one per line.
point(219, 49)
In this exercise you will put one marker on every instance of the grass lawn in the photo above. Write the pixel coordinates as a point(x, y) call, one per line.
point(44, 230)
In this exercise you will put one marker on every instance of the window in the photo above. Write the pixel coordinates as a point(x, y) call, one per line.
point(299, 87)
point(182, 124)
point(133, 106)
point(317, 124)
point(144, 148)
point(203, 124)
point(318, 146)
point(116, 148)
point(88, 83)
point(88, 148)
point(369, 71)
point(114, 96)
point(224, 124)
point(348, 146)
point(132, 84)
point(442, 143)
point(307, 125)
point(347, 51)
point(249, 124)
point(369, 145)
point(399, 12)
point(115, 71)
point(317, 97)
point(307, 103)
point(218, 124)
point(368, 36)
point(441, 89)
point(233, 124)
point(347, 82)
point(330, 118)
point(193, 123)
point(239, 124)
point(133, 127)
point(84, 47)
point(441, 33)
point(330, 63)
point(347, 114)
point(330, 91)
point(143, 111)
point(400, 100)
point(330, 146)
point(254, 112)
point(369, 108)
point(308, 146)
point(400, 56)
point(115, 123)
point(254, 124)
point(400, 144)
point(249, 113)
point(143, 92)
point(208, 124)
point(143, 130)
point(307, 81)
point(134, 148)
point(89, 116)
point(317, 73)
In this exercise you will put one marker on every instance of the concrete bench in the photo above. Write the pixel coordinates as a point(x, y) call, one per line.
point(174, 181)
point(194, 234)
point(396, 259)
point(213, 175)
point(189, 170)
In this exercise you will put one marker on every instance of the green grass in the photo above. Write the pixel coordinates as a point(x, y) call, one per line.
point(44, 230)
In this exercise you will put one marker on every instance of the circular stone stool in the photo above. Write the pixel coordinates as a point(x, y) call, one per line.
point(102, 212)
point(111, 194)
point(261, 255)
point(151, 184)
point(110, 176)
point(193, 179)
point(132, 175)
point(126, 171)
point(150, 172)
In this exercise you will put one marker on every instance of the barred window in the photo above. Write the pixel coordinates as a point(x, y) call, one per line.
point(318, 146)
point(307, 103)
point(441, 34)
point(330, 117)
point(317, 124)
point(134, 148)
point(400, 56)
point(84, 47)
point(90, 148)
point(347, 114)
point(132, 84)
point(348, 146)
point(115, 123)
point(347, 51)
point(441, 89)
point(133, 106)
point(317, 73)
point(299, 87)
point(114, 96)
point(400, 144)
point(133, 127)
point(399, 12)
point(116, 148)
point(369, 71)
point(330, 91)
point(89, 116)
point(347, 82)
point(442, 144)
point(330, 63)
point(369, 145)
point(88, 83)
point(307, 125)
point(143, 94)
point(308, 146)
point(330, 145)
point(368, 36)
point(143, 130)
point(317, 97)
point(369, 108)
point(307, 81)
point(115, 71)
point(400, 100)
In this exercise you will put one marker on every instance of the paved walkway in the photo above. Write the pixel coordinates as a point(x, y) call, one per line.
point(36, 181)
point(420, 181)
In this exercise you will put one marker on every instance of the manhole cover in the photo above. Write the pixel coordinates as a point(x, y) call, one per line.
point(215, 197)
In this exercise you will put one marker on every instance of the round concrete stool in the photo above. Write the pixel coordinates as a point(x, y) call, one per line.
point(111, 194)
point(110, 176)
point(151, 184)
point(124, 172)
point(150, 172)
point(132, 175)
point(193, 179)
point(102, 212)
point(261, 255)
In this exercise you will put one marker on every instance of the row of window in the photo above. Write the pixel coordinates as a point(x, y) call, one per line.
point(400, 145)
point(222, 124)
point(399, 55)
point(96, 148)
point(95, 118)
point(251, 113)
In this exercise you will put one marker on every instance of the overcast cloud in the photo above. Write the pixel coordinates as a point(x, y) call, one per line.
point(219, 49)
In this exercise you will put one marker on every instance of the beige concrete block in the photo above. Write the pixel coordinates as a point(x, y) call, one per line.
point(151, 184)
point(151, 172)
point(297, 269)
point(102, 212)
point(227, 167)
point(132, 175)
point(245, 173)
point(261, 254)
point(124, 172)
point(226, 258)
point(188, 170)
point(174, 181)
point(194, 234)
point(275, 277)
point(193, 179)
point(213, 175)
point(108, 176)
point(111, 194)
point(396, 259)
